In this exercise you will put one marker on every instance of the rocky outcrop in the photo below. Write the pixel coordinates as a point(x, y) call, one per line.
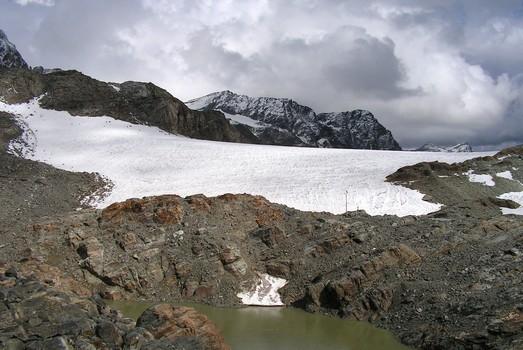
point(282, 121)
point(9, 55)
point(449, 184)
point(135, 102)
point(182, 325)
point(35, 316)
point(354, 129)
point(355, 295)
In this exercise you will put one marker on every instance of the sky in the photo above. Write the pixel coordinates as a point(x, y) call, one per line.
point(440, 71)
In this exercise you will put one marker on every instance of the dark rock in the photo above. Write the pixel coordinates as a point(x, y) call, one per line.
point(108, 332)
point(271, 236)
point(179, 323)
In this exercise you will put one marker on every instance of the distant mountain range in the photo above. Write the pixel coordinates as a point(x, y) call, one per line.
point(460, 147)
point(282, 121)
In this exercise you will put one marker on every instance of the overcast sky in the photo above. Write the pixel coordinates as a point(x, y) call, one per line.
point(442, 71)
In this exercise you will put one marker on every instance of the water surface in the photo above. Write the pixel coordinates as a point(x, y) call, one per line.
point(259, 328)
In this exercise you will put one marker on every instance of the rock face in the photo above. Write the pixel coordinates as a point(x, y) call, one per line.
point(460, 147)
point(9, 55)
point(282, 121)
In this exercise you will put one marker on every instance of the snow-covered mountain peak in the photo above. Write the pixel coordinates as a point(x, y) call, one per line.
point(284, 121)
point(9, 55)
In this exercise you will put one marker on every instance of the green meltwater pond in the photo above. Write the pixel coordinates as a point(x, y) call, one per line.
point(262, 328)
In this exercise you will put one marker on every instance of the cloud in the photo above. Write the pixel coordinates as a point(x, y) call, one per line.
point(35, 2)
point(441, 71)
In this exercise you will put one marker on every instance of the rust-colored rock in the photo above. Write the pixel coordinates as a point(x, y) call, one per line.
point(177, 322)
point(394, 256)
point(52, 276)
point(199, 203)
point(165, 209)
point(266, 212)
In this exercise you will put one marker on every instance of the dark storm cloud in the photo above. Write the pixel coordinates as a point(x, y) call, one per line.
point(441, 71)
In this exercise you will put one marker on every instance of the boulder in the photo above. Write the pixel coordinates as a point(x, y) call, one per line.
point(179, 323)
point(92, 251)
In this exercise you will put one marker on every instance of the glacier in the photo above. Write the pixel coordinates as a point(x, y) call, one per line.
point(144, 161)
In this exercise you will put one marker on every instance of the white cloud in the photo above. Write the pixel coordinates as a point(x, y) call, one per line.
point(35, 2)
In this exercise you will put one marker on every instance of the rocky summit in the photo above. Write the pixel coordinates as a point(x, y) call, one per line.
point(9, 55)
point(282, 121)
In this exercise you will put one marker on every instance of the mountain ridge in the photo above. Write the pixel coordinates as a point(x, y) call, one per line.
point(300, 123)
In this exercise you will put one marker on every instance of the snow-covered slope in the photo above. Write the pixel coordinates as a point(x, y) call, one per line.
point(460, 147)
point(143, 160)
point(354, 129)
point(9, 55)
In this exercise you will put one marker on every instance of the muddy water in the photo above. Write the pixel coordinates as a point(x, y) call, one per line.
point(256, 328)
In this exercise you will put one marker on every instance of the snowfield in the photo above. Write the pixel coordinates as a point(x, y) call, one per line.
point(144, 161)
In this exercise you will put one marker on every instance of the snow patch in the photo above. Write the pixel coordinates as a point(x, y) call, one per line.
point(265, 292)
point(484, 179)
point(516, 197)
point(505, 175)
point(240, 119)
point(146, 161)
point(116, 87)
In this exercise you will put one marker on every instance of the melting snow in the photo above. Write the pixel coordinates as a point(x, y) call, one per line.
point(505, 175)
point(265, 292)
point(516, 197)
point(145, 161)
point(484, 179)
